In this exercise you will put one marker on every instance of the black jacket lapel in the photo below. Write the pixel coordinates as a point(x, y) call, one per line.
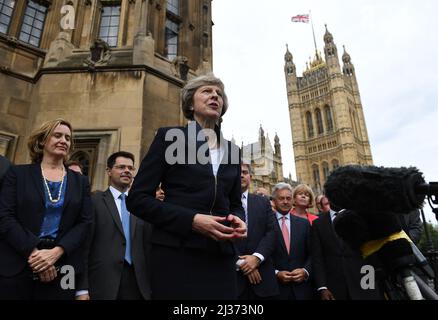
point(71, 185)
point(112, 208)
point(37, 178)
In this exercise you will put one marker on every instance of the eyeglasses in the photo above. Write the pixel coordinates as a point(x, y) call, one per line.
point(123, 167)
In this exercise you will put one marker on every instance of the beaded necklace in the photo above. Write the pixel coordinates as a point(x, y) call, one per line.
point(48, 189)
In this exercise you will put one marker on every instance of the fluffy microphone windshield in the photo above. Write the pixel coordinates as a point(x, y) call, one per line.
point(375, 189)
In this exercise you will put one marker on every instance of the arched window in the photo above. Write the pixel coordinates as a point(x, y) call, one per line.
point(309, 121)
point(325, 170)
point(319, 121)
point(328, 118)
point(316, 177)
point(335, 164)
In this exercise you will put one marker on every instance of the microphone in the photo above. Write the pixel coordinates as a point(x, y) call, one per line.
point(378, 189)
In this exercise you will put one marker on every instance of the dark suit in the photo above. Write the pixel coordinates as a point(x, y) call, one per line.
point(261, 239)
point(335, 266)
point(4, 166)
point(412, 225)
point(21, 220)
point(187, 264)
point(105, 251)
point(299, 257)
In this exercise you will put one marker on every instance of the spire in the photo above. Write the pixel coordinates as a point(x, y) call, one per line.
point(346, 57)
point(288, 56)
point(277, 145)
point(276, 139)
point(331, 52)
point(289, 66)
point(328, 37)
point(348, 68)
point(261, 131)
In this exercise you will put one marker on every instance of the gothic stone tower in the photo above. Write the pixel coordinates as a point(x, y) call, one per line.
point(326, 115)
point(266, 162)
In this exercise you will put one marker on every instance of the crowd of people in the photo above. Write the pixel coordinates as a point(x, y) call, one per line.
point(177, 228)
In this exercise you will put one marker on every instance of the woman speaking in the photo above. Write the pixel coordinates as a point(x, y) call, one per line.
point(193, 254)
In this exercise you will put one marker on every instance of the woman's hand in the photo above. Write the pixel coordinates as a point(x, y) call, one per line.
point(41, 260)
point(212, 227)
point(239, 227)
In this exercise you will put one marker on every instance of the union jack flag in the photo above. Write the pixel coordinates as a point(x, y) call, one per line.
point(301, 18)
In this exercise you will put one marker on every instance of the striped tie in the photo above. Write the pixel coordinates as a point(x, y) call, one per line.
point(285, 233)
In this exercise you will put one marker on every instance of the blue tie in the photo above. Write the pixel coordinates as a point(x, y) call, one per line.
point(126, 227)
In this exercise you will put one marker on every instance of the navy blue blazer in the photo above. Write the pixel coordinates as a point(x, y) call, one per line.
point(22, 208)
point(299, 257)
point(190, 188)
point(261, 239)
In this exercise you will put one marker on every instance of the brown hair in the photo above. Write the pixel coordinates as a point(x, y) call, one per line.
point(304, 188)
point(38, 138)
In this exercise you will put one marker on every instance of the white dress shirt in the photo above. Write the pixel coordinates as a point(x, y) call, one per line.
point(245, 206)
point(216, 156)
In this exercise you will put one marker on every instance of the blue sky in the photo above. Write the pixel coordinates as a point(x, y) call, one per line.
point(392, 45)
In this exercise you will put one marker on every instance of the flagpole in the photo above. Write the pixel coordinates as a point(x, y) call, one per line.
point(313, 31)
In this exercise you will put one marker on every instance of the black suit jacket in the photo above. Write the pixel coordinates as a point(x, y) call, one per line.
point(22, 208)
point(299, 257)
point(190, 188)
point(261, 239)
point(4, 166)
point(335, 265)
point(105, 251)
point(412, 225)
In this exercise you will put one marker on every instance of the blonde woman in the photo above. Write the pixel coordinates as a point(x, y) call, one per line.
point(303, 200)
point(45, 211)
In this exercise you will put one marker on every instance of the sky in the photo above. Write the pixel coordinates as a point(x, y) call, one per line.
point(392, 44)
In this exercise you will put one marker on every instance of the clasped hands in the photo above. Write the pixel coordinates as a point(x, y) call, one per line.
point(298, 275)
point(43, 262)
point(212, 227)
point(249, 267)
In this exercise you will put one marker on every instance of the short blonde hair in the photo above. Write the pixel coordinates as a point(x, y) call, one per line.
point(303, 188)
point(190, 88)
point(38, 138)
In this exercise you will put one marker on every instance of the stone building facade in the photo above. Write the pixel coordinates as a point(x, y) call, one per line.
point(266, 162)
point(326, 116)
point(114, 69)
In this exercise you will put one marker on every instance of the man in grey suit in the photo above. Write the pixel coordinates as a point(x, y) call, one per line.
point(116, 265)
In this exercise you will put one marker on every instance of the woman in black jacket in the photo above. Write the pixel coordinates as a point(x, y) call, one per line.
point(45, 212)
point(193, 254)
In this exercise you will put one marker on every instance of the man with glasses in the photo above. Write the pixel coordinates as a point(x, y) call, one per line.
point(117, 253)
